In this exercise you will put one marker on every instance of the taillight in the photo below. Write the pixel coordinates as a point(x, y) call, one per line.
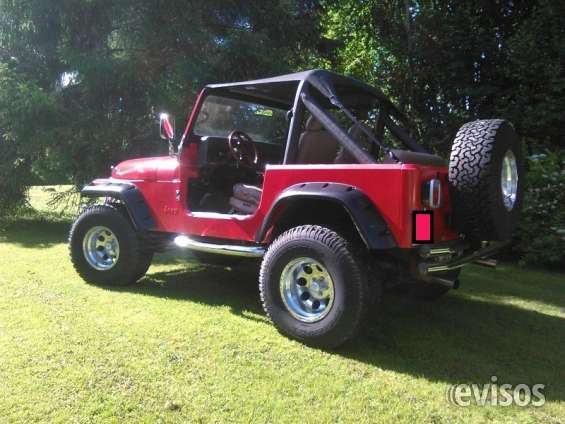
point(431, 193)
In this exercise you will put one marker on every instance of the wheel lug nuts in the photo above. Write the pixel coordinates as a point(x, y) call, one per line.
point(305, 296)
point(301, 281)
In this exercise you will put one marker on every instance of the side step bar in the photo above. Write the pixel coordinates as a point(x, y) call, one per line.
point(219, 249)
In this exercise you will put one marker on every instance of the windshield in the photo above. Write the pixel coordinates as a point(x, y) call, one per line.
point(219, 116)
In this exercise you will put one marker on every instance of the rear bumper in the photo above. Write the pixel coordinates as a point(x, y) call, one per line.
point(450, 256)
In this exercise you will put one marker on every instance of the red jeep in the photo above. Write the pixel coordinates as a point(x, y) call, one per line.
point(318, 175)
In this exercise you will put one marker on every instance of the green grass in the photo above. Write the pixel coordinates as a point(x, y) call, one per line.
point(191, 344)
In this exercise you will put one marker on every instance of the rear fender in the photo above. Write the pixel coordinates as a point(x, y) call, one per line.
point(370, 225)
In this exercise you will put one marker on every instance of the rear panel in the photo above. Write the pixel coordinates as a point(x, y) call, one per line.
point(395, 190)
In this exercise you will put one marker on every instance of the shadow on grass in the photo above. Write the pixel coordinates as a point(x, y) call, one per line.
point(461, 339)
point(522, 283)
point(456, 339)
point(212, 285)
point(34, 231)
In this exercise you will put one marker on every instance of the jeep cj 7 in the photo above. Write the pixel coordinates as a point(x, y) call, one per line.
point(317, 176)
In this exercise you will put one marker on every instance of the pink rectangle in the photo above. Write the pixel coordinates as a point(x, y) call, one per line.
point(423, 227)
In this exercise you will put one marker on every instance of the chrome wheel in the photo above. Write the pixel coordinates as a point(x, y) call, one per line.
point(101, 248)
point(509, 180)
point(307, 289)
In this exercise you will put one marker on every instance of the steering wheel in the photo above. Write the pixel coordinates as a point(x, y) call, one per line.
point(242, 148)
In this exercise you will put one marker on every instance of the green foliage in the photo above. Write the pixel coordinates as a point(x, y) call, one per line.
point(86, 78)
point(14, 179)
point(543, 218)
point(447, 62)
point(24, 109)
point(533, 97)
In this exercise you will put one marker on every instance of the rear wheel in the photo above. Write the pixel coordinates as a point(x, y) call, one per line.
point(105, 249)
point(313, 288)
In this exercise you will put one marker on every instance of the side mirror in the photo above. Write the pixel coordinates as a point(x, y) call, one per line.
point(166, 127)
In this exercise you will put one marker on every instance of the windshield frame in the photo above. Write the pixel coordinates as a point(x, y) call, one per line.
point(276, 108)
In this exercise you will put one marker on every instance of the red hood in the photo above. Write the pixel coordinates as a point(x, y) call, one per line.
point(163, 168)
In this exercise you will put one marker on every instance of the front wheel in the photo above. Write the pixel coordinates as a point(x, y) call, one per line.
point(105, 249)
point(313, 288)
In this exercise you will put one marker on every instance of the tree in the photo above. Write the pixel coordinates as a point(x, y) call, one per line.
point(100, 70)
point(446, 62)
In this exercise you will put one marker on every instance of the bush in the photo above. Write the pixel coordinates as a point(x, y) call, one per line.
point(14, 178)
point(542, 227)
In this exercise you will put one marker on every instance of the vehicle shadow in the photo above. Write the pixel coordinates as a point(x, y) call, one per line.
point(212, 285)
point(459, 338)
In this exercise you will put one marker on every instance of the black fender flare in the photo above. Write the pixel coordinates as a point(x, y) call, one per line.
point(371, 226)
point(130, 196)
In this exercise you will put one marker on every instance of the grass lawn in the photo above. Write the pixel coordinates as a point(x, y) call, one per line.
point(192, 344)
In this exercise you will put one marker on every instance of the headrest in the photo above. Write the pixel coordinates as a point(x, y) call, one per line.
point(312, 124)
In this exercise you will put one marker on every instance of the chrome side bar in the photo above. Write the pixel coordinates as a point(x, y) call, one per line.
point(219, 249)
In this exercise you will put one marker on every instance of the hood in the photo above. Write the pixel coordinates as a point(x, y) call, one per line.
point(162, 168)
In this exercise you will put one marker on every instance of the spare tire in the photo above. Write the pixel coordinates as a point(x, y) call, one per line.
point(486, 179)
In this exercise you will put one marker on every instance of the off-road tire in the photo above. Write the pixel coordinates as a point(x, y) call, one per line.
point(133, 261)
point(474, 176)
point(349, 275)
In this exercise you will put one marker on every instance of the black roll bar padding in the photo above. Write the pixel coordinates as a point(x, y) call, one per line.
point(294, 127)
point(403, 135)
point(335, 129)
point(374, 141)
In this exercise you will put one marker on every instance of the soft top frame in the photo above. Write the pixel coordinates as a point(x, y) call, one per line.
point(294, 92)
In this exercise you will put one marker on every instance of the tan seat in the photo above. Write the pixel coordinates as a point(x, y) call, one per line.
point(316, 145)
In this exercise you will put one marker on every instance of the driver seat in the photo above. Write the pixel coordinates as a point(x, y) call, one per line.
point(315, 145)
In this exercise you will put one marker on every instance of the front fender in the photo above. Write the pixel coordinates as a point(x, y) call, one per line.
point(129, 195)
point(372, 228)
